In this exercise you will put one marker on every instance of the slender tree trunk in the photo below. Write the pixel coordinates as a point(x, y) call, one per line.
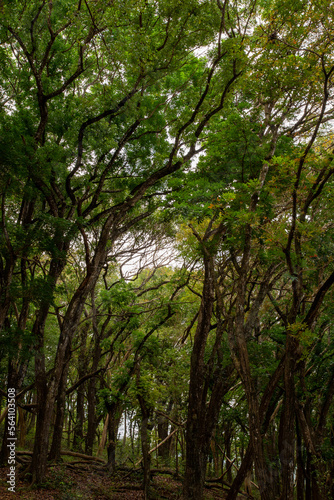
point(227, 440)
point(196, 445)
point(91, 401)
point(264, 413)
point(164, 449)
point(308, 491)
point(43, 421)
point(242, 363)
point(12, 384)
point(103, 440)
point(145, 446)
point(22, 427)
point(60, 412)
point(78, 437)
point(245, 466)
point(145, 431)
point(203, 414)
point(115, 414)
point(271, 452)
point(91, 417)
point(78, 427)
point(300, 466)
point(287, 426)
point(47, 393)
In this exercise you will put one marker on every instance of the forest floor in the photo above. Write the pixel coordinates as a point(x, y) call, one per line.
point(72, 483)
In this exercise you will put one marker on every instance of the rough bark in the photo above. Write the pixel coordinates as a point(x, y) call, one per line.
point(202, 414)
point(55, 451)
point(46, 395)
point(79, 421)
point(12, 383)
point(114, 414)
point(145, 428)
point(287, 434)
point(163, 423)
point(196, 445)
point(264, 409)
point(91, 398)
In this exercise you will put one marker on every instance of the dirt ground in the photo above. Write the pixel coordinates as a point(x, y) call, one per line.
point(86, 483)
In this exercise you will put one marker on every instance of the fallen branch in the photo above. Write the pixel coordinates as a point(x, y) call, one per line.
point(128, 487)
point(158, 445)
point(89, 458)
point(226, 488)
point(218, 479)
point(81, 455)
point(236, 468)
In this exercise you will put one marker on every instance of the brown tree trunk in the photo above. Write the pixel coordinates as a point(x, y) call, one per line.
point(241, 360)
point(196, 445)
point(163, 423)
point(145, 446)
point(245, 466)
point(271, 452)
point(78, 437)
point(16, 371)
point(12, 384)
point(286, 442)
point(308, 488)
point(300, 466)
point(145, 428)
point(91, 400)
point(60, 413)
point(46, 394)
point(264, 413)
point(202, 414)
point(91, 417)
point(79, 421)
point(115, 414)
point(227, 441)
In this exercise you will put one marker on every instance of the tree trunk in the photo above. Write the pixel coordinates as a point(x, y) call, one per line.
point(196, 445)
point(103, 439)
point(46, 394)
point(164, 449)
point(264, 414)
point(115, 414)
point(300, 465)
point(145, 428)
point(227, 441)
point(78, 437)
point(203, 415)
point(271, 453)
point(287, 426)
point(145, 446)
point(60, 413)
point(245, 466)
point(78, 428)
point(12, 384)
point(91, 400)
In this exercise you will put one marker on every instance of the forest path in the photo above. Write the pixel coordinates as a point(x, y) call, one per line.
point(65, 484)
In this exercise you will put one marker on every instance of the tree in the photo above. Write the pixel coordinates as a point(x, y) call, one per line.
point(104, 108)
point(72, 171)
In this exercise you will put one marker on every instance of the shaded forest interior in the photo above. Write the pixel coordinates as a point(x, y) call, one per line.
point(166, 244)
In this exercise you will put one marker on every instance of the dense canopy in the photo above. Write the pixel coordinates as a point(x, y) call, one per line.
point(166, 243)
